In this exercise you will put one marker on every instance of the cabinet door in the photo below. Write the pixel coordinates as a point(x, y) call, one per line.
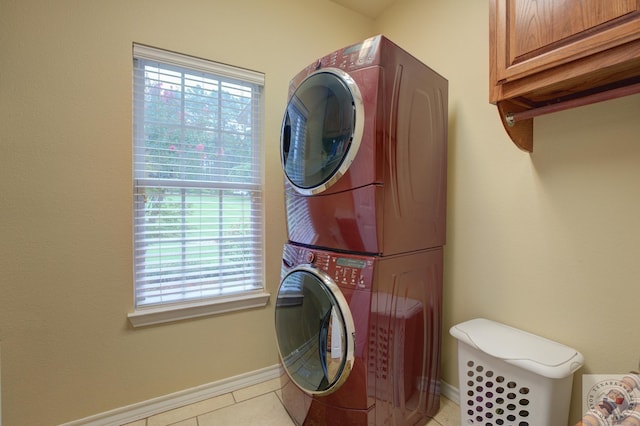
point(531, 36)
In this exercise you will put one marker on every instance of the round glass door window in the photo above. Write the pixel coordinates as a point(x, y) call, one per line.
point(315, 331)
point(321, 130)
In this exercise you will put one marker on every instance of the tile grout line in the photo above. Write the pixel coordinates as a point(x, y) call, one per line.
point(234, 398)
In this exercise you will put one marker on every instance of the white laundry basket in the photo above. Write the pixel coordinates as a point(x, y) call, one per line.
point(511, 377)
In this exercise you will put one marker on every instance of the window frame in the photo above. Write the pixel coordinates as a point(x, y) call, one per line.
point(198, 307)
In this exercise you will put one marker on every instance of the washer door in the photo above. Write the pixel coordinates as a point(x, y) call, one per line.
point(315, 331)
point(321, 130)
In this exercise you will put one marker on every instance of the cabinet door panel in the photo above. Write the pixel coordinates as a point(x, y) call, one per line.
point(538, 24)
point(535, 35)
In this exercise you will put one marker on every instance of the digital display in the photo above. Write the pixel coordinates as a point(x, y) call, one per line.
point(351, 263)
point(352, 49)
point(366, 48)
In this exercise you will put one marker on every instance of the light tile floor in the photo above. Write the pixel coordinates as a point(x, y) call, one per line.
point(257, 405)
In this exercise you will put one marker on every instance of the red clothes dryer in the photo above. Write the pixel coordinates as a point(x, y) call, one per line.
point(364, 152)
point(359, 336)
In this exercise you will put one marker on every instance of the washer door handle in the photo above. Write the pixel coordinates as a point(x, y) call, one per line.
point(322, 343)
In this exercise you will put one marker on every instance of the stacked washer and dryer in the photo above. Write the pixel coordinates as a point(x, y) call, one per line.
point(359, 308)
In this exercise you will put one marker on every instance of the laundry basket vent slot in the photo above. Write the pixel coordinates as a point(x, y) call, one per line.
point(493, 399)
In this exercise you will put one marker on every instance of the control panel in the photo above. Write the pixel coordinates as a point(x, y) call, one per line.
point(345, 269)
point(353, 57)
point(350, 58)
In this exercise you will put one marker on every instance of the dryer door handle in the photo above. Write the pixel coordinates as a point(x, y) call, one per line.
point(393, 141)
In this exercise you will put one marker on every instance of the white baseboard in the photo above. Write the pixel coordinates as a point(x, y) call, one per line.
point(450, 392)
point(158, 405)
point(0, 383)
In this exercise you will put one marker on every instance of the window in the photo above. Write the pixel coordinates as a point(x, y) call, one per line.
point(197, 172)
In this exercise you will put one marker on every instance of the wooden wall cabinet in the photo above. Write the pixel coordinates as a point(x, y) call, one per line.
point(549, 55)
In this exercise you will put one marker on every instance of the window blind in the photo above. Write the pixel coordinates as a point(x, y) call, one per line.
point(198, 212)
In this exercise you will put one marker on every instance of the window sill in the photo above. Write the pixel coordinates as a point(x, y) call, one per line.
point(180, 311)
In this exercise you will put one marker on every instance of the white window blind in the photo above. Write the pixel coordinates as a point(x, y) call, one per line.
point(198, 220)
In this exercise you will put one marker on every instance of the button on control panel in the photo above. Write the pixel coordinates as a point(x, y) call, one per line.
point(348, 275)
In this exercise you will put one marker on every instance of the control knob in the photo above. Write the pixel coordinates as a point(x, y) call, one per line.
point(309, 257)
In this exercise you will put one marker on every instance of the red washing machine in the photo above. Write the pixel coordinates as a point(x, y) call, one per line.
point(359, 336)
point(364, 151)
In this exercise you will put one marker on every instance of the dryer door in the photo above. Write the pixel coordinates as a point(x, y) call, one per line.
point(315, 331)
point(321, 130)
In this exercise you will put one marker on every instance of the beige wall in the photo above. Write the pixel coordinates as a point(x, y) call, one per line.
point(547, 242)
point(65, 190)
